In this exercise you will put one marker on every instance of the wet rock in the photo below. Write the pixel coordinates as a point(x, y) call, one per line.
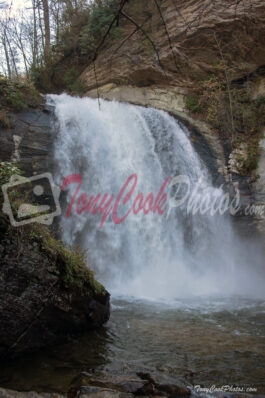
point(97, 392)
point(230, 395)
point(145, 376)
point(124, 386)
point(89, 380)
point(168, 390)
point(32, 394)
point(130, 386)
point(174, 390)
point(29, 141)
point(39, 306)
point(121, 384)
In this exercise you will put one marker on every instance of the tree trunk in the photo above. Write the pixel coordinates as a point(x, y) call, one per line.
point(7, 57)
point(47, 30)
point(35, 36)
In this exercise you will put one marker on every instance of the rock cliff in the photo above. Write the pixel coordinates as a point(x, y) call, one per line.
point(29, 141)
point(170, 48)
point(46, 290)
point(177, 43)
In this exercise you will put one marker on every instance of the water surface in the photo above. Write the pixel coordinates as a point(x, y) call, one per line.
point(206, 341)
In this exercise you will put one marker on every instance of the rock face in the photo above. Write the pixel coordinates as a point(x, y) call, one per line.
point(32, 394)
point(29, 141)
point(184, 42)
point(120, 386)
point(260, 184)
point(39, 302)
point(44, 295)
point(169, 47)
point(259, 189)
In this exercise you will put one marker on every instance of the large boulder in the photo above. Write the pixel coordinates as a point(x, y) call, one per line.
point(46, 291)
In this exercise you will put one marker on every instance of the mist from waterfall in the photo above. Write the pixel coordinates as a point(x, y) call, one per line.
point(147, 256)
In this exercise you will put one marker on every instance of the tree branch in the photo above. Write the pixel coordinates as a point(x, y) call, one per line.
point(144, 32)
point(122, 4)
point(168, 37)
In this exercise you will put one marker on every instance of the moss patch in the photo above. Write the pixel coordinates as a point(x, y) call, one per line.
point(18, 95)
point(69, 261)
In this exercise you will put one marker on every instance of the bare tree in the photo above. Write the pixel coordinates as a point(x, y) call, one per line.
point(47, 30)
point(34, 42)
point(7, 59)
point(21, 39)
point(4, 21)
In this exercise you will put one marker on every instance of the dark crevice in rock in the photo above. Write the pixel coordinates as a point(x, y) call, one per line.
point(260, 71)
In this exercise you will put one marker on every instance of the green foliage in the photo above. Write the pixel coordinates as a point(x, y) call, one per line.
point(213, 104)
point(70, 262)
point(78, 87)
point(249, 114)
point(41, 77)
point(212, 101)
point(17, 95)
point(248, 163)
point(7, 169)
point(70, 76)
point(4, 119)
point(233, 113)
point(82, 28)
point(121, 81)
point(86, 28)
point(251, 163)
point(146, 46)
point(11, 95)
point(75, 17)
point(99, 20)
point(72, 83)
point(193, 103)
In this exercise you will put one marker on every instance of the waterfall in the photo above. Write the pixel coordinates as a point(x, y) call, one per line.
point(147, 255)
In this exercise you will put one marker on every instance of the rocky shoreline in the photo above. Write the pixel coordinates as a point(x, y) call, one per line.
point(35, 315)
point(104, 385)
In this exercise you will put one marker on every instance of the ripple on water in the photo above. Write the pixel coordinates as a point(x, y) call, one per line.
point(219, 341)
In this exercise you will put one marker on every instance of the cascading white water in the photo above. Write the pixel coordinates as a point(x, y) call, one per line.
point(146, 255)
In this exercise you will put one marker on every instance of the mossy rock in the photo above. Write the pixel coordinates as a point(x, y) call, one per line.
point(47, 291)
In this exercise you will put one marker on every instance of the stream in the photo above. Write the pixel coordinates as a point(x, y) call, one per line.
point(188, 297)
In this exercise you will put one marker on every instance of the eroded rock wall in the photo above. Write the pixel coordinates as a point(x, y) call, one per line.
point(185, 41)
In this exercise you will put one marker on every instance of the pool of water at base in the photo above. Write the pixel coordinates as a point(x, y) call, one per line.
point(197, 341)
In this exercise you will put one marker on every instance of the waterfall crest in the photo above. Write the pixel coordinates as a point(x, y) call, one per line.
point(147, 255)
